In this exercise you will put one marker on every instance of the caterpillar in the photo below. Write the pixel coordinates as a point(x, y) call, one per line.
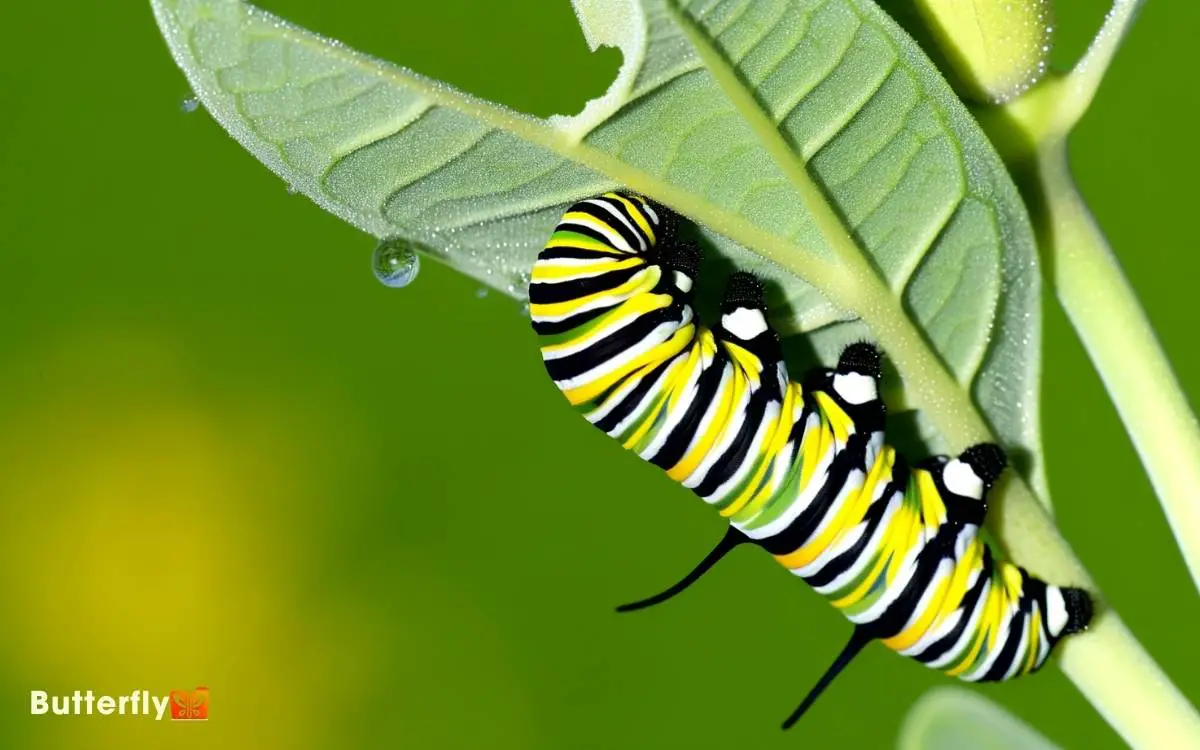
point(799, 468)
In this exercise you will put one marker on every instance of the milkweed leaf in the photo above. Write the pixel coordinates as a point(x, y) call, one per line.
point(808, 139)
point(952, 718)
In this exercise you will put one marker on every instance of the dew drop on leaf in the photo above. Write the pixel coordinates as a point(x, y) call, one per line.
point(190, 104)
point(395, 262)
point(481, 292)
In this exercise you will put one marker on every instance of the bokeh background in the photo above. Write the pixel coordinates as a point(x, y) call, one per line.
point(362, 516)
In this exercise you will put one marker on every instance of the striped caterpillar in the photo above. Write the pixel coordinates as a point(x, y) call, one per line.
point(799, 468)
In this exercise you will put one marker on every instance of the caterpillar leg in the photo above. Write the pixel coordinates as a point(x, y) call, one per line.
point(732, 539)
point(858, 641)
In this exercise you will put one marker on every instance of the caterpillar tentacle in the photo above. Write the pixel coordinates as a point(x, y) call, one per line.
point(798, 468)
point(858, 641)
point(731, 540)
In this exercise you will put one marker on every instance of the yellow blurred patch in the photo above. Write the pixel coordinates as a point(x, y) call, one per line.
point(156, 536)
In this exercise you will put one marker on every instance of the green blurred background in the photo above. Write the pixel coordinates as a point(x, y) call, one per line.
point(363, 517)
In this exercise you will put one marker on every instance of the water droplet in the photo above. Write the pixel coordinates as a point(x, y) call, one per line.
point(481, 292)
point(395, 262)
point(190, 104)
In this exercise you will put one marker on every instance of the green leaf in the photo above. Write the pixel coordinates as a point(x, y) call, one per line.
point(951, 718)
point(811, 140)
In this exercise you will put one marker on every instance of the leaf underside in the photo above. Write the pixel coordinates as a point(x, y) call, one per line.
point(913, 181)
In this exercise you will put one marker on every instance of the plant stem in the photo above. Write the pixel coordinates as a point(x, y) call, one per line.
point(1128, 688)
point(1099, 301)
point(1089, 71)
point(1118, 677)
point(1121, 343)
point(1094, 292)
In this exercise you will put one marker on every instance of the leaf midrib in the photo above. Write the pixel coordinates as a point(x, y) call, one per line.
point(828, 223)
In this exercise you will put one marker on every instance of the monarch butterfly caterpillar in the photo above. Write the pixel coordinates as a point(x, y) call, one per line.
point(800, 469)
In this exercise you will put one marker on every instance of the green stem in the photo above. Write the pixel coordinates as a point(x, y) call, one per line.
point(1128, 688)
point(1121, 343)
point(1119, 677)
point(1084, 81)
point(1098, 299)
